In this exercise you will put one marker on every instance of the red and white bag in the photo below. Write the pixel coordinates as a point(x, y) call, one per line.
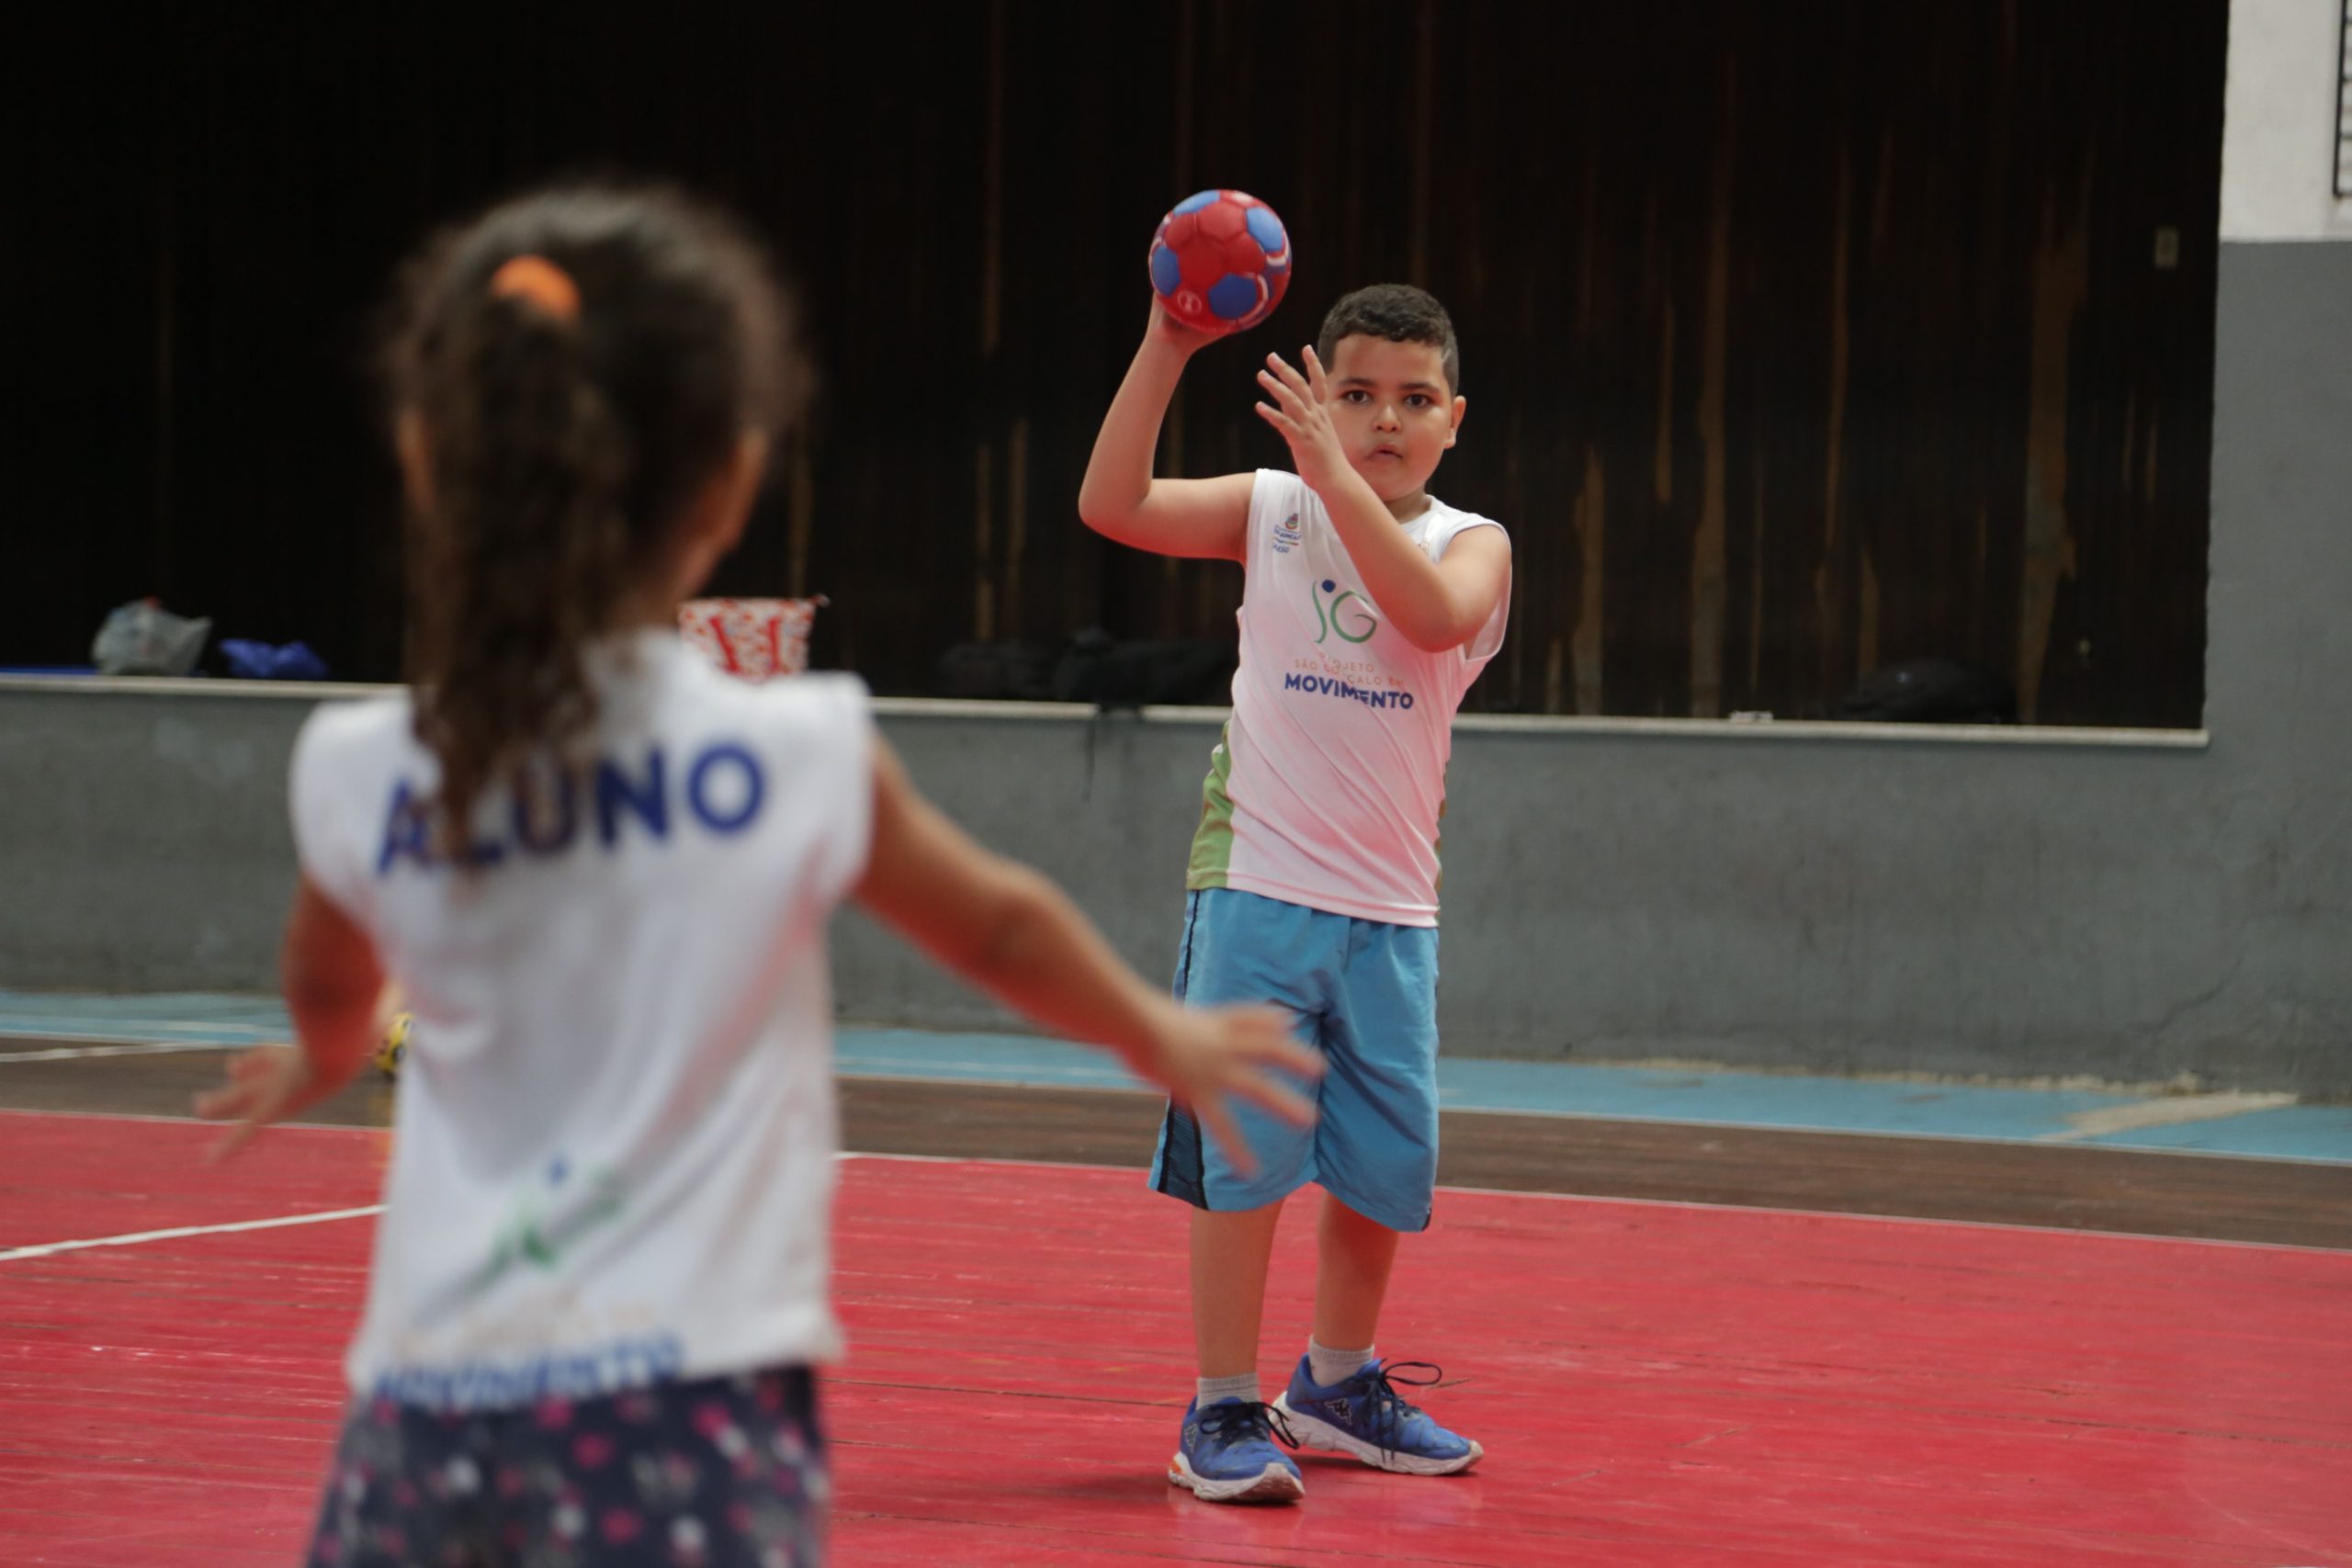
point(756, 639)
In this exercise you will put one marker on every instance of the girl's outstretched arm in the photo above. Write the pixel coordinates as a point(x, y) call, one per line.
point(335, 995)
point(1015, 935)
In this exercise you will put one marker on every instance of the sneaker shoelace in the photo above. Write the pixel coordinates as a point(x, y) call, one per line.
point(1391, 1411)
point(1234, 1420)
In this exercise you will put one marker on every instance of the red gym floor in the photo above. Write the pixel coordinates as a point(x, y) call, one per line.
point(1655, 1382)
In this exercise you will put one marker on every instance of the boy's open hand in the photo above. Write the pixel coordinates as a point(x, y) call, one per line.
point(1299, 417)
point(1207, 1055)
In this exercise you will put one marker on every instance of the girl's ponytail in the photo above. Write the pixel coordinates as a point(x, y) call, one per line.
point(568, 372)
point(526, 544)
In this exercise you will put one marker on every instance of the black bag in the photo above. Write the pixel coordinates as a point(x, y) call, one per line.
point(1092, 667)
point(1009, 671)
point(1931, 690)
point(1095, 668)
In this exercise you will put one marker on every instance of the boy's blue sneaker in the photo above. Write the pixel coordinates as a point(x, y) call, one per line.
point(1227, 1455)
point(1364, 1415)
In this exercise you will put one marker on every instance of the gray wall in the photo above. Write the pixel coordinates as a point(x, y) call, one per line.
point(2027, 903)
point(2278, 661)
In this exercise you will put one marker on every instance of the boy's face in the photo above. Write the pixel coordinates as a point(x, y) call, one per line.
point(1393, 409)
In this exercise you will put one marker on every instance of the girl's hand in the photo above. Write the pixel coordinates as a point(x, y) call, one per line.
point(1299, 417)
point(1204, 1055)
point(264, 1085)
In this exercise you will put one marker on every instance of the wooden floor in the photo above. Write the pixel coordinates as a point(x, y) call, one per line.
point(2069, 1187)
point(1681, 1345)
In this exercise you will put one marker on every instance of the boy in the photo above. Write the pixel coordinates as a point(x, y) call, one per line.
point(1367, 610)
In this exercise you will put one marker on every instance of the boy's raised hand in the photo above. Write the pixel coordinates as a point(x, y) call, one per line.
point(1166, 327)
point(1299, 417)
point(1205, 1054)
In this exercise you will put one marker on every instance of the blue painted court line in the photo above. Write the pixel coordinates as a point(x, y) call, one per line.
point(1762, 1100)
point(1558, 1088)
point(1719, 1099)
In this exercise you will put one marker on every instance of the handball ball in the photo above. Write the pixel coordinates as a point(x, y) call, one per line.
point(393, 1047)
point(1220, 260)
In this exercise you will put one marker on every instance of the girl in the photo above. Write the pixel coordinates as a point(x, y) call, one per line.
point(599, 873)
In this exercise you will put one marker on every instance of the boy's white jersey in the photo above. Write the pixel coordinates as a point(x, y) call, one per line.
point(615, 1131)
point(1329, 784)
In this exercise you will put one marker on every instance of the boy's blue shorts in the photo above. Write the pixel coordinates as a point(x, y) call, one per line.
point(1364, 994)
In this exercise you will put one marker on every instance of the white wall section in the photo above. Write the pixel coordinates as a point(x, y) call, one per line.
point(2281, 120)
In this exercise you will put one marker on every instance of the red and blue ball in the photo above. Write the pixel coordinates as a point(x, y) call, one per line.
point(1220, 260)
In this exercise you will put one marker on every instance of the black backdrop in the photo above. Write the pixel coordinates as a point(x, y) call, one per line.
point(1797, 336)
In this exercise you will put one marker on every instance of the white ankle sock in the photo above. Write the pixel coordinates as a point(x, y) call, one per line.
point(1243, 1387)
point(1328, 1366)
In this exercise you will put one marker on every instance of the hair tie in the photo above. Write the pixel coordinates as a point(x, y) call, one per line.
point(539, 284)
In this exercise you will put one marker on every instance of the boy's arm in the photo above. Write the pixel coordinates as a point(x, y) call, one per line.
point(1121, 499)
point(1435, 606)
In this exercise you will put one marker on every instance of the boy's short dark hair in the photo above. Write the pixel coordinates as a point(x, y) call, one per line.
point(1399, 312)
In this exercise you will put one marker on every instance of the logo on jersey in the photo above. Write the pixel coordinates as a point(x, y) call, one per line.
point(1286, 535)
point(541, 1224)
point(610, 801)
point(1333, 613)
point(1332, 686)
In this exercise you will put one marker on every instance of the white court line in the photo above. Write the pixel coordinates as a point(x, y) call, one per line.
point(218, 1035)
point(2170, 1111)
point(2164, 1112)
point(384, 1133)
point(846, 1155)
point(48, 1023)
point(849, 1070)
point(2105, 1123)
point(1593, 1198)
point(123, 1048)
point(50, 1248)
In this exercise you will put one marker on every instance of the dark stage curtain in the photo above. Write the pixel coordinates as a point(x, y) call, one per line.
point(1798, 337)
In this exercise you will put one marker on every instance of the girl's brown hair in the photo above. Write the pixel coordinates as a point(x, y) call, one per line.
point(563, 436)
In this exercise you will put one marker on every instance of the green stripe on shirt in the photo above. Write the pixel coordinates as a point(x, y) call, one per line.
point(1212, 840)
